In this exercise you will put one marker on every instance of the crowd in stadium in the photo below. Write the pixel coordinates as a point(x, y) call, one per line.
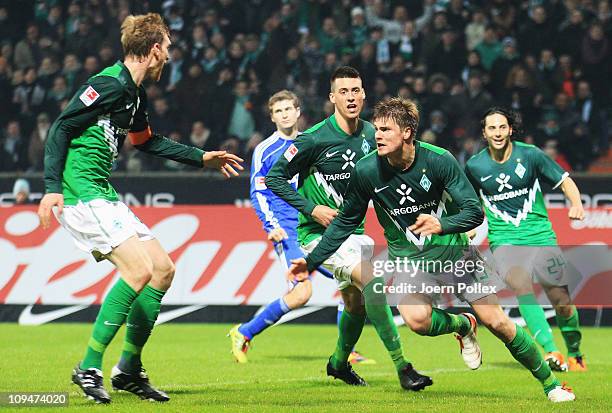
point(548, 59)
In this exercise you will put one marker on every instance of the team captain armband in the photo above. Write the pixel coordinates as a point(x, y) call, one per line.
point(138, 138)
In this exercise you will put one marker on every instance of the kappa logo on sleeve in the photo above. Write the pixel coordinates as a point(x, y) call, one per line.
point(260, 183)
point(89, 96)
point(291, 152)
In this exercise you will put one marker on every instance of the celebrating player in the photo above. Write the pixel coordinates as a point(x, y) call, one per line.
point(81, 147)
point(324, 157)
point(280, 222)
point(407, 179)
point(507, 176)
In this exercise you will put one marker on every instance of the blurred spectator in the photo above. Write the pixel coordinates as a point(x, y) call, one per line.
point(13, 149)
point(489, 49)
point(448, 57)
point(21, 191)
point(199, 134)
point(36, 148)
point(241, 122)
point(551, 149)
point(27, 52)
point(162, 118)
point(592, 117)
point(536, 33)
point(410, 44)
point(571, 33)
point(475, 30)
point(359, 30)
point(29, 95)
point(596, 62)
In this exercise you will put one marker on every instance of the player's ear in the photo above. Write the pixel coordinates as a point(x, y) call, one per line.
point(510, 132)
point(407, 134)
point(332, 98)
point(299, 112)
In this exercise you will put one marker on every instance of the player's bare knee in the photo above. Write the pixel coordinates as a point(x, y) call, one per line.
point(419, 321)
point(519, 281)
point(163, 275)
point(140, 278)
point(564, 310)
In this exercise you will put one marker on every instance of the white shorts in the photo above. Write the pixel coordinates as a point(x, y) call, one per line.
point(546, 264)
point(355, 249)
point(98, 226)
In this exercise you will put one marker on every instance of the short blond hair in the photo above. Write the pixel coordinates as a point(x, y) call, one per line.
point(403, 112)
point(140, 33)
point(283, 95)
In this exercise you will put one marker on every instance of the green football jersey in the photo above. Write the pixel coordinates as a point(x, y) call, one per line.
point(433, 184)
point(86, 138)
point(511, 194)
point(324, 156)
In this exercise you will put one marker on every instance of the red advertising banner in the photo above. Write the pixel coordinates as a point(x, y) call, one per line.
point(221, 256)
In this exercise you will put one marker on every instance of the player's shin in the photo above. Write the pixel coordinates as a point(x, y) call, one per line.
point(380, 315)
point(268, 317)
point(570, 329)
point(524, 350)
point(112, 315)
point(349, 329)
point(535, 319)
point(140, 322)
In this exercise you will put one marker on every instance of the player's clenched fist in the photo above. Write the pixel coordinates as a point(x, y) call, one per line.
point(277, 235)
point(426, 225)
point(576, 212)
point(324, 215)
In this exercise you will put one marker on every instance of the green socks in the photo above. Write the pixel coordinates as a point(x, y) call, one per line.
point(570, 329)
point(140, 322)
point(349, 328)
point(533, 314)
point(524, 350)
point(112, 315)
point(379, 313)
point(443, 322)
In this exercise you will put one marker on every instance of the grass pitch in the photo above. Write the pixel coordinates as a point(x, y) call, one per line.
point(286, 372)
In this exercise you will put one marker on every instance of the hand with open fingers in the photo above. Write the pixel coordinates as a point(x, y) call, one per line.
point(46, 206)
point(426, 225)
point(576, 213)
point(298, 270)
point(324, 215)
point(224, 162)
point(277, 235)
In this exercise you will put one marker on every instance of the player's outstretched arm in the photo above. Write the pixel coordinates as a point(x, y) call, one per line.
point(572, 193)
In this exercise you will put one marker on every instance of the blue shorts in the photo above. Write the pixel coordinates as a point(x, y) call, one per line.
point(289, 249)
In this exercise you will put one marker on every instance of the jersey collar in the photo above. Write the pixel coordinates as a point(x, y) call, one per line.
point(128, 75)
point(336, 127)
